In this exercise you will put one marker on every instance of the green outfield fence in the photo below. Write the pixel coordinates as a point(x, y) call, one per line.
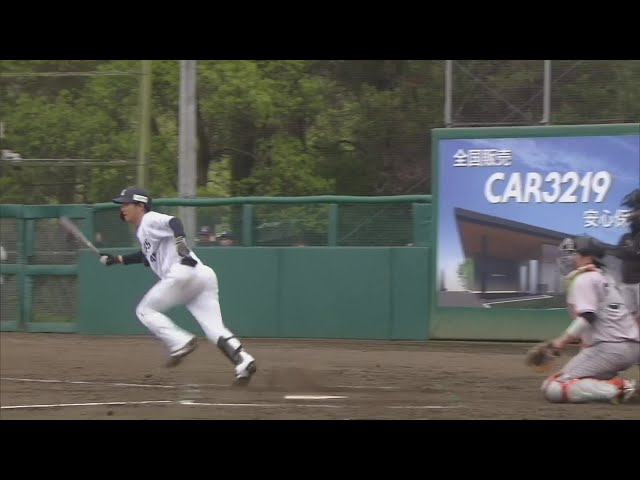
point(40, 272)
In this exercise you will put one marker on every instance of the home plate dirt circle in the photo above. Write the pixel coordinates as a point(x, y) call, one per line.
point(314, 397)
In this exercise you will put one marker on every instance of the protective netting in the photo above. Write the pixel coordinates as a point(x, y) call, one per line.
point(54, 298)
point(47, 254)
point(111, 232)
point(9, 240)
point(512, 92)
point(211, 223)
point(593, 91)
point(9, 298)
point(70, 129)
point(291, 225)
point(375, 225)
point(52, 245)
point(279, 225)
point(497, 92)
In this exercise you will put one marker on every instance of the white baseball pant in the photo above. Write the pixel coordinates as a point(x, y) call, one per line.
point(194, 287)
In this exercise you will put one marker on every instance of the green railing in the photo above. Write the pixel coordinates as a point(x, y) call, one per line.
point(39, 290)
point(39, 273)
point(286, 221)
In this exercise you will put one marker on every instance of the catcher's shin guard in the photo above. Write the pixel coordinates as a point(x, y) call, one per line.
point(557, 389)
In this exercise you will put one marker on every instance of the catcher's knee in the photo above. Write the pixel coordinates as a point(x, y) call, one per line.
point(553, 389)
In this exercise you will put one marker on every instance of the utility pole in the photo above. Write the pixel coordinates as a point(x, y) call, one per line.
point(187, 171)
point(448, 93)
point(546, 102)
point(145, 125)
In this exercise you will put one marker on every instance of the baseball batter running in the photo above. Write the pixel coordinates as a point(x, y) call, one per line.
point(607, 331)
point(184, 280)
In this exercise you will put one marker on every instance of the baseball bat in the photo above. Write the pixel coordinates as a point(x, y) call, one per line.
point(71, 227)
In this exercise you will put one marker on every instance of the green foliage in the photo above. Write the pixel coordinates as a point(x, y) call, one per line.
point(218, 180)
point(267, 127)
point(466, 274)
point(284, 166)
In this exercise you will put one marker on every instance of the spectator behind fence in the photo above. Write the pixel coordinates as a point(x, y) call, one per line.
point(226, 239)
point(205, 237)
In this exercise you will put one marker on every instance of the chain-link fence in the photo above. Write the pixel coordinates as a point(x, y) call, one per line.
point(10, 308)
point(495, 92)
point(71, 131)
point(533, 92)
point(387, 221)
point(10, 248)
point(67, 136)
point(39, 259)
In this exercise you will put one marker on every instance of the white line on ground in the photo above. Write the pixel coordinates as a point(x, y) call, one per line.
point(83, 382)
point(173, 402)
point(90, 404)
point(145, 385)
point(313, 397)
point(377, 387)
point(435, 407)
point(206, 404)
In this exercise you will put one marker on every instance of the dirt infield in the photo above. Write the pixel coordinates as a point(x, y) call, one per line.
point(69, 376)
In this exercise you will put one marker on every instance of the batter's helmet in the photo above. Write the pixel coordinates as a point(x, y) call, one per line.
point(133, 195)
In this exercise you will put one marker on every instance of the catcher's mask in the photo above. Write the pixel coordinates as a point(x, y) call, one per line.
point(583, 245)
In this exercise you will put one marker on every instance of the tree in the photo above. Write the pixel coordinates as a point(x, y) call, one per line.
point(466, 274)
point(278, 127)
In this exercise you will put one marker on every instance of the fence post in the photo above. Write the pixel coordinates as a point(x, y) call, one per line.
point(332, 234)
point(247, 225)
point(421, 224)
point(88, 224)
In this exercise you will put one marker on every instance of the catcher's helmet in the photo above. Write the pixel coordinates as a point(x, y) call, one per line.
point(583, 245)
point(586, 245)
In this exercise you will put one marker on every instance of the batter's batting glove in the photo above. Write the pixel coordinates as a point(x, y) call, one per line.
point(181, 246)
point(190, 261)
point(108, 259)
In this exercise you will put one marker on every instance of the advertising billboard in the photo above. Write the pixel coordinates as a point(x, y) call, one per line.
point(504, 204)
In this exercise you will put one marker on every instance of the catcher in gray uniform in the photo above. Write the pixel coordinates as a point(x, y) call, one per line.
point(601, 322)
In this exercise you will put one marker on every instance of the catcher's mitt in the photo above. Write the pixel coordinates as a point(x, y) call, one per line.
point(541, 357)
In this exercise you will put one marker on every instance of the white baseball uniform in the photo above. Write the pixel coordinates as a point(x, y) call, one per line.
point(194, 287)
point(610, 343)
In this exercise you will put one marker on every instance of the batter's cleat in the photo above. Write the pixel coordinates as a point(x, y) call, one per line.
point(629, 389)
point(178, 355)
point(245, 370)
